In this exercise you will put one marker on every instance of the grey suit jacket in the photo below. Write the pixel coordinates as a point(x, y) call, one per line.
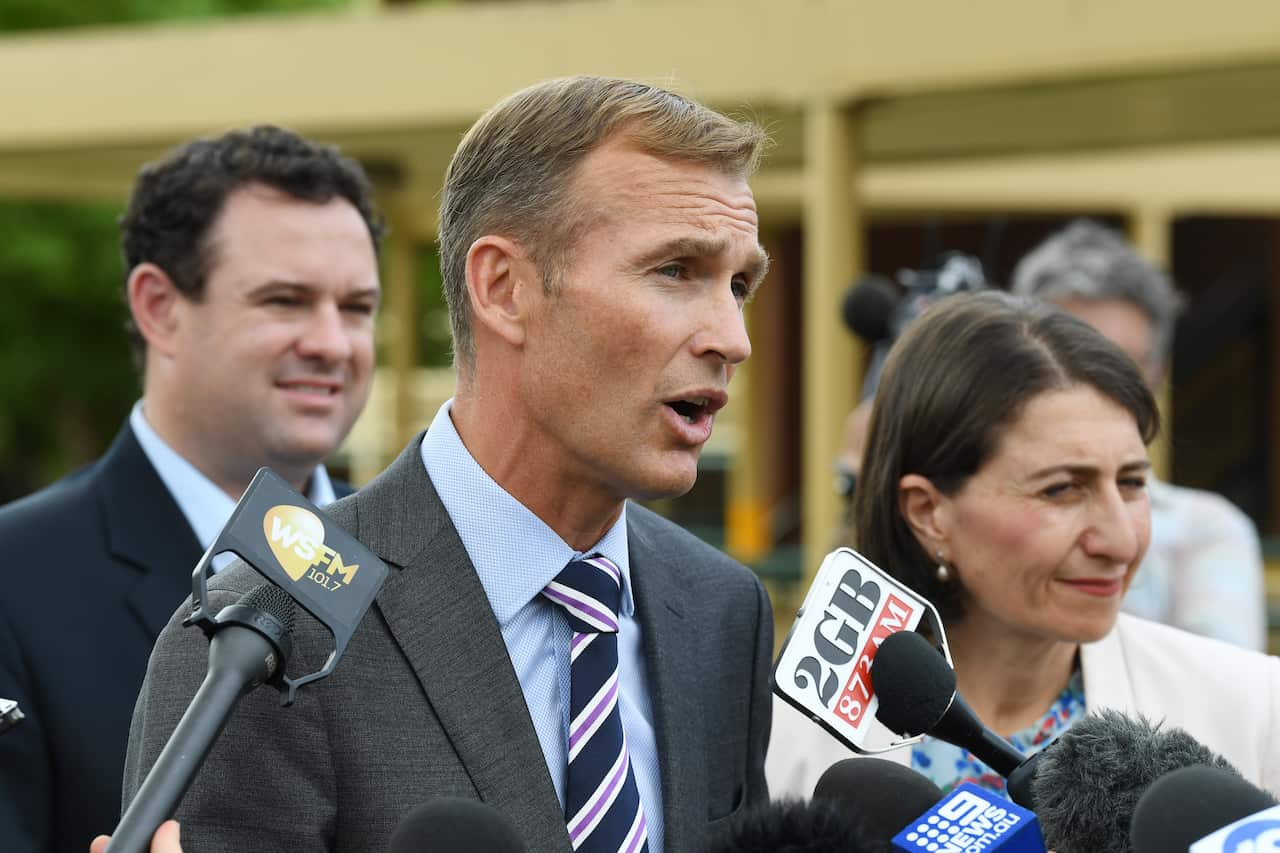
point(425, 702)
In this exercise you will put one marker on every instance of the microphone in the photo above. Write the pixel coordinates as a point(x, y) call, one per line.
point(868, 306)
point(1194, 804)
point(455, 825)
point(814, 826)
point(1088, 783)
point(898, 806)
point(917, 693)
point(249, 646)
point(886, 796)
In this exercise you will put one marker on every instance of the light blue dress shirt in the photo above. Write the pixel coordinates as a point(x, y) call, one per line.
point(516, 555)
point(205, 506)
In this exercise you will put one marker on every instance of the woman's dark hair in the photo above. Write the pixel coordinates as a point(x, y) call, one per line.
point(960, 375)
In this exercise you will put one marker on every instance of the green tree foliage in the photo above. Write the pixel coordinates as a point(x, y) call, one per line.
point(65, 374)
point(17, 15)
point(66, 378)
point(435, 342)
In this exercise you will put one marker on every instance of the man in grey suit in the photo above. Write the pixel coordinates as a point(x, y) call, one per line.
point(598, 242)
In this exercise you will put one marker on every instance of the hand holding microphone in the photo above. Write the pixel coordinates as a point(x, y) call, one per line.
point(166, 840)
point(445, 825)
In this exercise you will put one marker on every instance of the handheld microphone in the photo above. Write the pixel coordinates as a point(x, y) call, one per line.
point(813, 826)
point(1191, 806)
point(249, 646)
point(917, 693)
point(868, 307)
point(1088, 783)
point(455, 825)
point(972, 818)
point(886, 796)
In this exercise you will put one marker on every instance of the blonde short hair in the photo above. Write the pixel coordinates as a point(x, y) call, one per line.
point(512, 171)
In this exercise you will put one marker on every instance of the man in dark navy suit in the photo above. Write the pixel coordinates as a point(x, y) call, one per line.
point(252, 284)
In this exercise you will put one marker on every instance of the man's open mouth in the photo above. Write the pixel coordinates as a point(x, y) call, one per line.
point(691, 410)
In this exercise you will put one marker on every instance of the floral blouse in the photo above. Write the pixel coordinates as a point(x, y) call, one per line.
point(947, 766)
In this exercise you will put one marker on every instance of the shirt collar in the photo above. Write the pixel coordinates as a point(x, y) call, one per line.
point(514, 552)
point(205, 506)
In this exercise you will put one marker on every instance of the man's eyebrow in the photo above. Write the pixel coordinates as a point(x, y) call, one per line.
point(374, 293)
point(757, 269)
point(700, 247)
point(302, 287)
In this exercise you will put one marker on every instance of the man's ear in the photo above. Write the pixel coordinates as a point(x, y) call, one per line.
point(500, 280)
point(154, 301)
point(927, 512)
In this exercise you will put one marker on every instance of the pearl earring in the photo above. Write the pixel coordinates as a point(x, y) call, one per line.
point(944, 572)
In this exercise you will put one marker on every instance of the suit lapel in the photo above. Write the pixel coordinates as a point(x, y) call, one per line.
point(438, 613)
point(660, 610)
point(145, 528)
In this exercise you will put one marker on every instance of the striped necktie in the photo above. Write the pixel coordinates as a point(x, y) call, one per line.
point(603, 812)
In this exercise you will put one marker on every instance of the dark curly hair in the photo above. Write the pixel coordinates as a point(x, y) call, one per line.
point(177, 199)
point(959, 376)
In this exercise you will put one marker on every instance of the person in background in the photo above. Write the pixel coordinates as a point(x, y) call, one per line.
point(1203, 571)
point(1004, 480)
point(541, 643)
point(251, 282)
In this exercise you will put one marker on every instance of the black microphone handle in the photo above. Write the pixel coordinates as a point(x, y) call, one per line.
point(960, 726)
point(239, 659)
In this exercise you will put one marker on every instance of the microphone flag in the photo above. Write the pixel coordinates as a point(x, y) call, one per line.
point(971, 819)
point(1257, 833)
point(824, 668)
point(294, 545)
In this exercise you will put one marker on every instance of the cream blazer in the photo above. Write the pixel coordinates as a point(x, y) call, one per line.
point(1228, 698)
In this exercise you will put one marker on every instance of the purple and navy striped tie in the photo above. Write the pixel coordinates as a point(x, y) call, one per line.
point(602, 804)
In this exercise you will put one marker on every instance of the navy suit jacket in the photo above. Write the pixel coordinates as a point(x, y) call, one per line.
point(93, 567)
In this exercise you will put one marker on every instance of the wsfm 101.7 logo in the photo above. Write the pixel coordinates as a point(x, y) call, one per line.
point(296, 537)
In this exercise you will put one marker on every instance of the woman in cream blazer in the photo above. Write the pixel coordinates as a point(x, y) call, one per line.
point(1226, 697)
point(1004, 479)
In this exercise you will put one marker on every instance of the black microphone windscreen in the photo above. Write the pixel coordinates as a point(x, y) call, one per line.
point(868, 305)
point(1087, 783)
point(1186, 804)
point(455, 825)
point(272, 599)
point(913, 683)
point(795, 826)
point(885, 795)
